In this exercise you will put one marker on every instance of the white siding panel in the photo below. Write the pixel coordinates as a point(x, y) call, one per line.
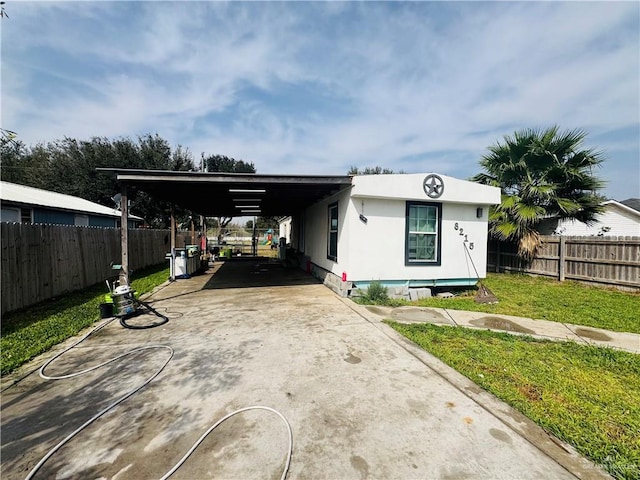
point(618, 223)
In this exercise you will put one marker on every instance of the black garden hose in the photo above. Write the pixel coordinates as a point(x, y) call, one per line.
point(164, 318)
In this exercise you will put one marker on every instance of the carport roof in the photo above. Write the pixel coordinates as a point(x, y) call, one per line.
point(233, 194)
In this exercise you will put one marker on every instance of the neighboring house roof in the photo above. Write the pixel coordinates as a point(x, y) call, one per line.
point(632, 203)
point(36, 197)
point(625, 207)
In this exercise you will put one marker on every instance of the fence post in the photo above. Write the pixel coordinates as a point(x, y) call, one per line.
point(498, 256)
point(561, 256)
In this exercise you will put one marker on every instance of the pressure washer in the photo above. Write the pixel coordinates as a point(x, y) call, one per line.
point(124, 301)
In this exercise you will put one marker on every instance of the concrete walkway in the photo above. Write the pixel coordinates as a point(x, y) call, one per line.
point(362, 401)
point(506, 323)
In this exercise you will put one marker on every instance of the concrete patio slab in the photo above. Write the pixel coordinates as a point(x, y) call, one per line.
point(362, 401)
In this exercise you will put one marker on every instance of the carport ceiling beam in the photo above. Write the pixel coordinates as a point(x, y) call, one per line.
point(220, 194)
point(142, 176)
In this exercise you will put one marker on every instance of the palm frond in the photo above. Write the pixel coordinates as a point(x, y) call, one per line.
point(527, 213)
point(485, 179)
point(508, 201)
point(504, 231)
point(529, 244)
point(567, 206)
point(541, 172)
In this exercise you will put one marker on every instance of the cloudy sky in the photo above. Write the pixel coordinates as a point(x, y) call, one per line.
point(314, 88)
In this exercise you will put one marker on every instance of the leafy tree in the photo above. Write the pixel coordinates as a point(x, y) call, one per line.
point(69, 166)
point(73, 166)
point(377, 170)
point(224, 164)
point(13, 167)
point(542, 173)
point(155, 154)
point(265, 223)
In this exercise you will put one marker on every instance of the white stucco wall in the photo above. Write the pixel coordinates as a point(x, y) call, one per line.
point(410, 187)
point(375, 250)
point(316, 232)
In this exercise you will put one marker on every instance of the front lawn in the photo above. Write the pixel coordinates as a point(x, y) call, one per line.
point(584, 395)
point(32, 331)
point(547, 299)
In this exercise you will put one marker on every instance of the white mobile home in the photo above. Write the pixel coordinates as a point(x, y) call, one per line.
point(403, 230)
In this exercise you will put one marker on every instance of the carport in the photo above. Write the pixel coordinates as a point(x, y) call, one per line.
point(224, 194)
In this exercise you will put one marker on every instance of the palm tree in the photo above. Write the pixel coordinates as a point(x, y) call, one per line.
point(542, 173)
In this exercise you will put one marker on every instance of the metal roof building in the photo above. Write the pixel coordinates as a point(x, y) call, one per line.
point(34, 205)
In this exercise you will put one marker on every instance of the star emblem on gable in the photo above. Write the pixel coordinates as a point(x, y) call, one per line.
point(433, 186)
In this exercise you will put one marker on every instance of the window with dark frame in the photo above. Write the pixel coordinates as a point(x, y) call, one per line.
point(332, 240)
point(422, 237)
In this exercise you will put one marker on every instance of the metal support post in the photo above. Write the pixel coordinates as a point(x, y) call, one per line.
point(124, 237)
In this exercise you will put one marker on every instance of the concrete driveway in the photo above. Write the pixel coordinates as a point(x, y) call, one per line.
point(361, 401)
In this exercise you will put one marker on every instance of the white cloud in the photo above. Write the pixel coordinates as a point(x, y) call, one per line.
point(404, 85)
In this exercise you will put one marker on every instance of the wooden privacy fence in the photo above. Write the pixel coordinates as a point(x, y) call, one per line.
point(602, 260)
point(43, 261)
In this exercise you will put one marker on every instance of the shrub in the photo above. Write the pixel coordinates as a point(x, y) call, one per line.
point(377, 293)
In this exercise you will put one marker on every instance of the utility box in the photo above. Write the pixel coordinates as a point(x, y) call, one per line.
point(185, 263)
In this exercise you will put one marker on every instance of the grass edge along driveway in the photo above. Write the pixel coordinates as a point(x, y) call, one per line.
point(584, 395)
point(544, 298)
point(31, 331)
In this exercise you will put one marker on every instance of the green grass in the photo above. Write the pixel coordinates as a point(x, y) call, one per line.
point(547, 299)
point(32, 331)
point(584, 395)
